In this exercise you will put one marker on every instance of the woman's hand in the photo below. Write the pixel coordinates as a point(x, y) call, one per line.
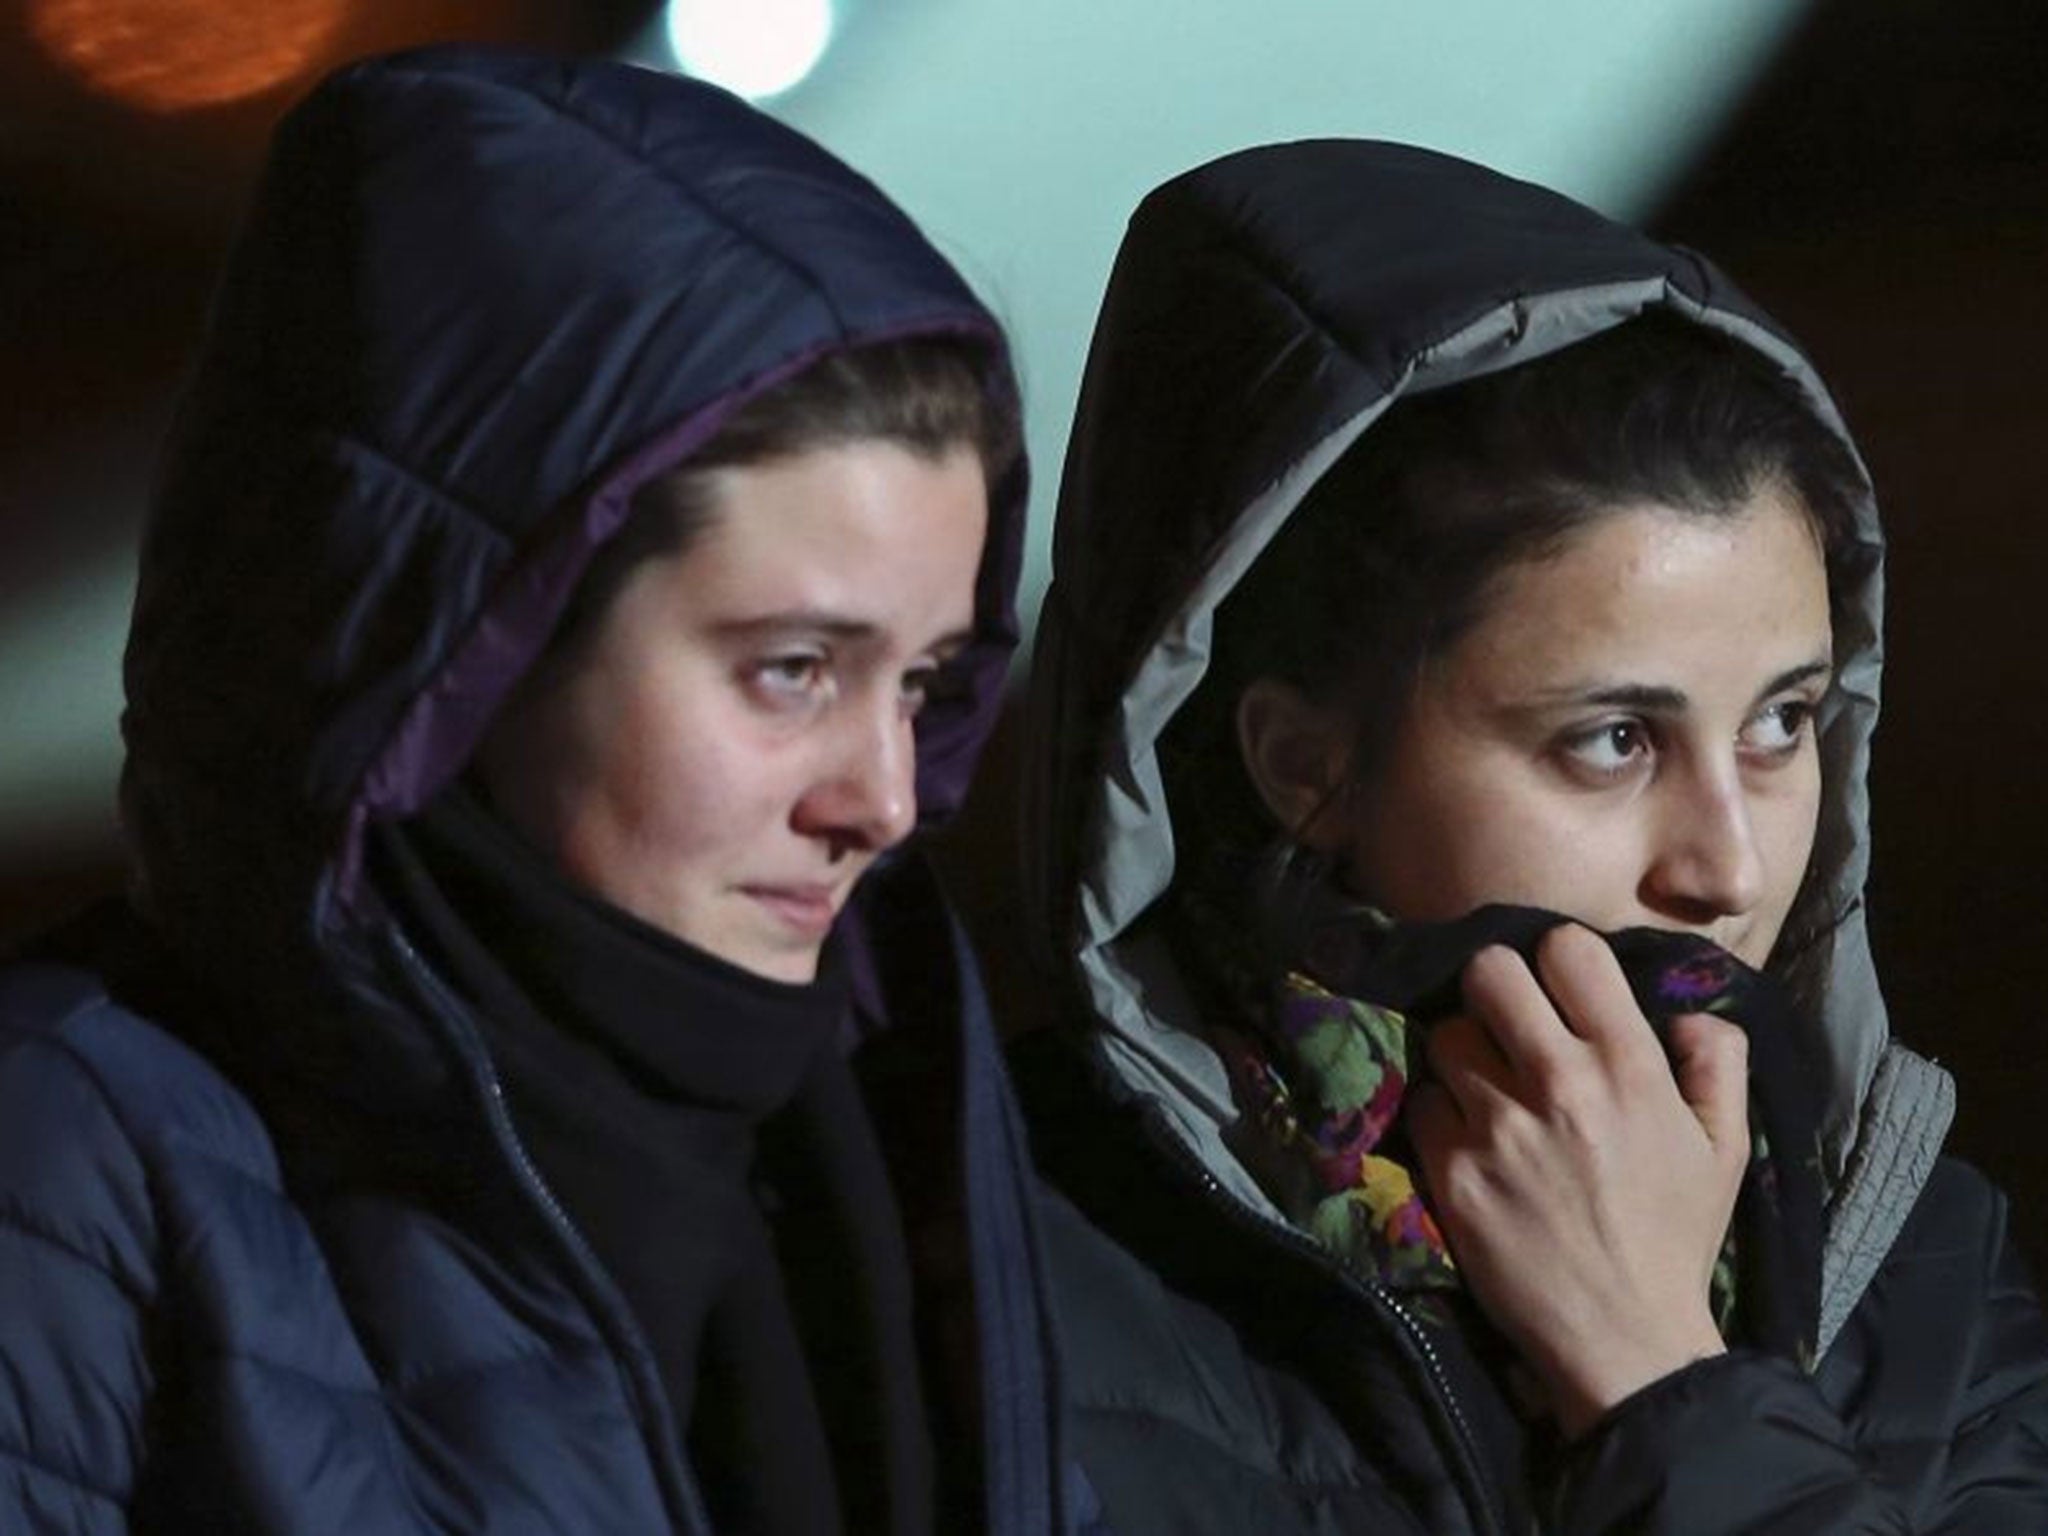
point(1584, 1181)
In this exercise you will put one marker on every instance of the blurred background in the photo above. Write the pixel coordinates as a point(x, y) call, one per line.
point(1874, 171)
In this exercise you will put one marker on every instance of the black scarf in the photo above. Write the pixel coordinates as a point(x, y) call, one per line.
point(705, 1135)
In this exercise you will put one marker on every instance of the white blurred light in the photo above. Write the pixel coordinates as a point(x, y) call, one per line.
point(758, 48)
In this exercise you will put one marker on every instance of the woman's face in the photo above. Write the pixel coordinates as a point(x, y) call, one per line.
point(1626, 736)
point(732, 746)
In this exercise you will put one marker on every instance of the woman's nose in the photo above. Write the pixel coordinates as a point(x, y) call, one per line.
point(1708, 863)
point(865, 796)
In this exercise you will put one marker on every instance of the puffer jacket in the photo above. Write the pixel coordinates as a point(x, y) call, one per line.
point(272, 1256)
point(1225, 1374)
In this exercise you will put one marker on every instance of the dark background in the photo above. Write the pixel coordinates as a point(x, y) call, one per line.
point(1884, 191)
point(113, 221)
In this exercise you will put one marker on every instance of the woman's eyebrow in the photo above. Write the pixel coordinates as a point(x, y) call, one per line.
point(1792, 677)
point(1660, 699)
point(1649, 698)
point(833, 625)
point(822, 621)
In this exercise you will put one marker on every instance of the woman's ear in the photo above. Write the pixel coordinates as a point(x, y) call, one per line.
point(1296, 753)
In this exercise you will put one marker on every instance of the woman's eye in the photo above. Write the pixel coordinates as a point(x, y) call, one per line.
point(924, 685)
point(1610, 748)
point(790, 677)
point(916, 689)
point(1778, 729)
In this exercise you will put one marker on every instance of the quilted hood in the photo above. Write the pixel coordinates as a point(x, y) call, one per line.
point(1263, 312)
point(479, 300)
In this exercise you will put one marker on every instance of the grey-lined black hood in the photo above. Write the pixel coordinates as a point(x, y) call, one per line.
point(1264, 311)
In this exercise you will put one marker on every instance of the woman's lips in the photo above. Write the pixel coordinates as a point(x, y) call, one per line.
point(808, 909)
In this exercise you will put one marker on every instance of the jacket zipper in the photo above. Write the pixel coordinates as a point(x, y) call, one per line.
point(648, 1404)
point(1377, 1295)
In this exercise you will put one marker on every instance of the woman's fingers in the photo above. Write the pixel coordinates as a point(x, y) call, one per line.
point(1466, 1060)
point(1583, 1180)
point(1543, 1019)
point(1710, 1060)
point(1433, 1121)
point(1578, 971)
point(1546, 1038)
point(1504, 998)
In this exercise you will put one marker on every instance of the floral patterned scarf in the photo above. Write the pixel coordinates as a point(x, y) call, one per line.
point(1324, 1075)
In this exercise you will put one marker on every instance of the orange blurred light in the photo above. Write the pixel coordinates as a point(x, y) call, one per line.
point(174, 55)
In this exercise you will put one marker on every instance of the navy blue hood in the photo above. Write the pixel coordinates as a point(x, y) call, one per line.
point(479, 300)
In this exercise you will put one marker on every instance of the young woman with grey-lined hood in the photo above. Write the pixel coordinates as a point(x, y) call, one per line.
point(1472, 1089)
